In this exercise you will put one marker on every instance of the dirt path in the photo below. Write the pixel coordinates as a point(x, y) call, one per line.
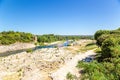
point(70, 66)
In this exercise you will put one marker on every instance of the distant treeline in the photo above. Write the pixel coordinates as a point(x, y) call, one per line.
point(10, 37)
point(52, 37)
point(107, 63)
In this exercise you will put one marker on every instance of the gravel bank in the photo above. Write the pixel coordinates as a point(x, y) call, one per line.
point(70, 66)
point(16, 46)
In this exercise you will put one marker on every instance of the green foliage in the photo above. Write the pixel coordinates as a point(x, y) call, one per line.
point(115, 51)
point(110, 48)
point(11, 37)
point(51, 38)
point(48, 38)
point(118, 29)
point(98, 50)
point(90, 44)
point(106, 47)
point(107, 64)
point(41, 44)
point(109, 44)
point(101, 39)
point(100, 32)
point(36, 43)
point(92, 71)
point(99, 71)
point(115, 32)
point(29, 50)
point(90, 47)
point(70, 76)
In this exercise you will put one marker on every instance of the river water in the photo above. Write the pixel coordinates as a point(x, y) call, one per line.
point(7, 53)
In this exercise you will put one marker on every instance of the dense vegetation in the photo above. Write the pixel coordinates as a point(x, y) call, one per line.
point(107, 65)
point(52, 37)
point(11, 37)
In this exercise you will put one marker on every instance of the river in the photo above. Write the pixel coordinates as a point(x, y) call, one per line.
point(7, 53)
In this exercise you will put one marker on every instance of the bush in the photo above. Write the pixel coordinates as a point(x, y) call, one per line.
point(29, 50)
point(70, 76)
point(41, 44)
point(100, 32)
point(115, 51)
point(11, 37)
point(36, 43)
point(101, 39)
point(115, 32)
point(51, 37)
point(109, 47)
point(100, 71)
point(107, 66)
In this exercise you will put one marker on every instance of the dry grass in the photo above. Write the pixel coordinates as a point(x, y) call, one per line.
point(14, 76)
point(83, 47)
point(73, 49)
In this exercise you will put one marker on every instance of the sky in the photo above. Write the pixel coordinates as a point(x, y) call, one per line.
point(63, 17)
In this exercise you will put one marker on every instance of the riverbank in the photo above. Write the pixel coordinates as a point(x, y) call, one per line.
point(41, 64)
point(15, 47)
point(41, 61)
point(70, 66)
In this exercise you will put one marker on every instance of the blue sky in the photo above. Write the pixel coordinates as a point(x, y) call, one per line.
point(65, 17)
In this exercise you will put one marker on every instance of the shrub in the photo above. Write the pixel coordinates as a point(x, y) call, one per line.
point(108, 67)
point(11, 37)
point(29, 50)
point(41, 44)
point(115, 32)
point(100, 32)
point(115, 51)
point(110, 48)
point(70, 76)
point(100, 71)
point(101, 39)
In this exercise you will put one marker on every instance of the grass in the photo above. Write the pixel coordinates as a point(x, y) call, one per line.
point(88, 46)
point(72, 50)
point(82, 48)
point(70, 76)
point(98, 50)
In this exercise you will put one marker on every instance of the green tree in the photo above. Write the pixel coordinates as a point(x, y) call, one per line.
point(100, 32)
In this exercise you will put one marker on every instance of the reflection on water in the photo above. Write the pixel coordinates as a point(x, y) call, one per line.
point(54, 45)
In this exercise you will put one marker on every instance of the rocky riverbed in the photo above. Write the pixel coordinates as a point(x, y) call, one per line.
point(34, 64)
point(41, 64)
point(15, 47)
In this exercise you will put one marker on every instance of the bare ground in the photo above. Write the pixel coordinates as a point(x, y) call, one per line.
point(42, 64)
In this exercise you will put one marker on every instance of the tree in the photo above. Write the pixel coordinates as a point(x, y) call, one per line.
point(100, 32)
point(101, 39)
point(10, 37)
